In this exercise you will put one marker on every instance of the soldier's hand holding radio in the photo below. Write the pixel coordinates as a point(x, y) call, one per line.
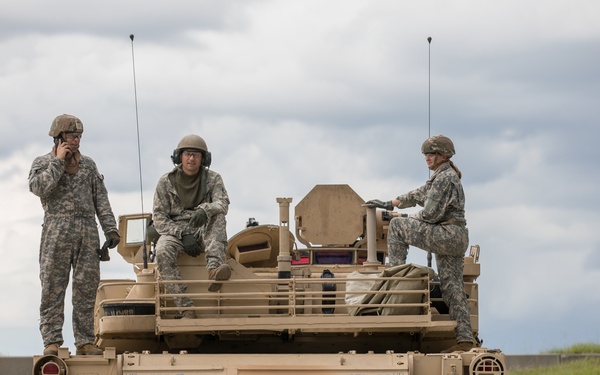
point(63, 150)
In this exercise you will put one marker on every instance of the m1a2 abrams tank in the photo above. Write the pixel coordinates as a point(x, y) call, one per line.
point(325, 306)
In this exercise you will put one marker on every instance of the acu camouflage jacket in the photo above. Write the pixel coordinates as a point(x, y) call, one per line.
point(442, 198)
point(171, 218)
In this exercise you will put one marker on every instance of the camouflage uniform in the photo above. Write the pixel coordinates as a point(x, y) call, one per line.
point(440, 227)
point(171, 220)
point(69, 240)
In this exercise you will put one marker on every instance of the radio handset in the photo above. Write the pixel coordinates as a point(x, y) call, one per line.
point(58, 140)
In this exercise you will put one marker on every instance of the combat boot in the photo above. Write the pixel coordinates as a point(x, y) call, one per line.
point(221, 273)
point(188, 314)
point(463, 346)
point(88, 349)
point(51, 349)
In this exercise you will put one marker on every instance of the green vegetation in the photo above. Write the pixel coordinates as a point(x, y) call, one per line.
point(584, 348)
point(581, 367)
point(588, 366)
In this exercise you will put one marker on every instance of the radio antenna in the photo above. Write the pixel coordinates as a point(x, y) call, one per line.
point(429, 108)
point(429, 256)
point(137, 124)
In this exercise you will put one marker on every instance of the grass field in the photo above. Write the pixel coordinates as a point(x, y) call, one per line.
point(580, 367)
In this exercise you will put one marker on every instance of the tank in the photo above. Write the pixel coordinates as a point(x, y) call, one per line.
point(319, 300)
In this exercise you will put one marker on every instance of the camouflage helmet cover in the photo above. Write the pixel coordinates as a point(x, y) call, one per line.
point(438, 144)
point(192, 141)
point(65, 124)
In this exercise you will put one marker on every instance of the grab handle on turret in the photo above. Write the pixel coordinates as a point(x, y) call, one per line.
point(103, 253)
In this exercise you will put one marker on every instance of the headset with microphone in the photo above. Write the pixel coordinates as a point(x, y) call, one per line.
point(206, 157)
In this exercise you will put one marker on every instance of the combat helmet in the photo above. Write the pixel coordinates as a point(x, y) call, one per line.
point(65, 124)
point(438, 144)
point(192, 142)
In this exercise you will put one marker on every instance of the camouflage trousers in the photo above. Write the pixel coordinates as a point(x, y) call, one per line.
point(212, 238)
point(448, 243)
point(68, 243)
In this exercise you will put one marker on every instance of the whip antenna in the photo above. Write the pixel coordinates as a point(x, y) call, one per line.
point(137, 124)
point(429, 256)
point(429, 104)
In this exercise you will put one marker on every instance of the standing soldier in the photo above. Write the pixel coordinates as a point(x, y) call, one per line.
point(190, 204)
point(72, 193)
point(440, 227)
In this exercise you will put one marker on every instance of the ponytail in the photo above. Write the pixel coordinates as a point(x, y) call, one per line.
point(456, 169)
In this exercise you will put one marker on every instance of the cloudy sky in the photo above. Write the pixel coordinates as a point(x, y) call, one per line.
point(290, 94)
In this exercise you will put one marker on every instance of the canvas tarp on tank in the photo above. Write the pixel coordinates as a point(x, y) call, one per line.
point(405, 271)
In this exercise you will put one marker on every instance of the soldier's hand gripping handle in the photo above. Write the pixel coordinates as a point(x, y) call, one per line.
point(377, 203)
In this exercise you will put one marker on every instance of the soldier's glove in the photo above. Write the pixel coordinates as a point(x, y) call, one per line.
point(103, 253)
point(151, 233)
point(199, 218)
point(190, 245)
point(112, 240)
point(376, 203)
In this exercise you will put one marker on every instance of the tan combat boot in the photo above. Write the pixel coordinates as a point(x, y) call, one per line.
point(464, 346)
point(88, 349)
point(52, 349)
point(221, 273)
